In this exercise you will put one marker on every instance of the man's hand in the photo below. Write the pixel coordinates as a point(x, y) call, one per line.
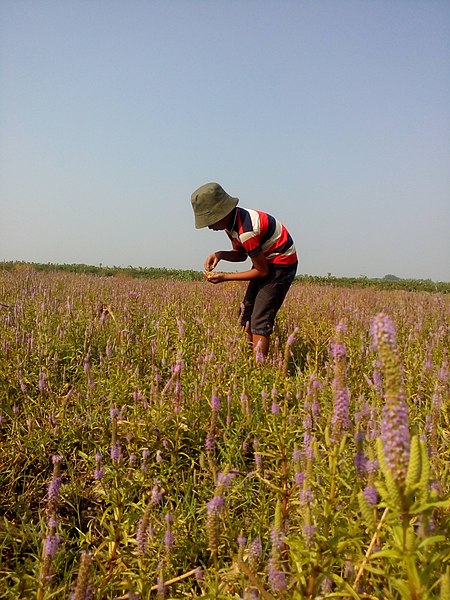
point(214, 277)
point(211, 262)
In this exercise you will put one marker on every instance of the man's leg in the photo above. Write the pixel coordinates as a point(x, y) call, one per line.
point(260, 344)
point(269, 298)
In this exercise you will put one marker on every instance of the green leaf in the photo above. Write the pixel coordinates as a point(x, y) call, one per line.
point(388, 554)
point(348, 589)
point(428, 541)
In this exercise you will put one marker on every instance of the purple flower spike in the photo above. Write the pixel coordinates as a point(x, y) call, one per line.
point(169, 540)
point(215, 403)
point(99, 473)
point(209, 442)
point(383, 331)
point(51, 545)
point(216, 504)
point(371, 495)
point(115, 452)
point(53, 490)
point(338, 351)
point(292, 337)
point(275, 409)
point(396, 439)
point(277, 539)
point(277, 578)
point(395, 420)
point(114, 413)
point(309, 532)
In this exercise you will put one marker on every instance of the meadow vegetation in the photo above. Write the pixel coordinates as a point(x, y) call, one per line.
point(388, 282)
point(144, 452)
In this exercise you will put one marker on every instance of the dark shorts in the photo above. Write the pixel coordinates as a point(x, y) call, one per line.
point(264, 298)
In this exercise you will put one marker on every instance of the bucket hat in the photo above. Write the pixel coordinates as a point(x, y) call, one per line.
point(210, 204)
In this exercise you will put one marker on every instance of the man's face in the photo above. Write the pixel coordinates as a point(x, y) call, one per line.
point(220, 225)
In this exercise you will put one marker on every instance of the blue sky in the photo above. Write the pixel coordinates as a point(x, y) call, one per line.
point(332, 115)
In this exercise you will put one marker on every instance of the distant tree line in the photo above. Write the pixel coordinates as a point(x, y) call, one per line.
point(387, 282)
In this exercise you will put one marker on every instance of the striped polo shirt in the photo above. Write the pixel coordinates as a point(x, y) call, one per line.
point(255, 231)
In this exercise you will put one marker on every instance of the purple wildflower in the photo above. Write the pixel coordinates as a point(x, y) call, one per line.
point(292, 337)
point(180, 325)
point(277, 578)
point(277, 539)
point(315, 408)
point(254, 554)
point(99, 471)
point(115, 452)
point(51, 545)
point(309, 532)
point(360, 459)
point(341, 406)
point(297, 455)
point(338, 351)
point(307, 422)
point(53, 489)
point(215, 403)
point(360, 462)
point(394, 424)
point(309, 446)
point(377, 381)
point(370, 494)
point(275, 409)
point(341, 395)
point(259, 462)
point(306, 497)
point(162, 588)
point(245, 404)
point(383, 332)
point(395, 436)
point(214, 508)
point(259, 356)
point(327, 585)
point(372, 466)
point(224, 479)
point(114, 413)
point(216, 504)
point(157, 494)
point(142, 536)
point(210, 442)
point(349, 570)
point(264, 396)
point(299, 478)
point(42, 381)
point(169, 540)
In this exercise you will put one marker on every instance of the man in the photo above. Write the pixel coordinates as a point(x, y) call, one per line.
point(262, 238)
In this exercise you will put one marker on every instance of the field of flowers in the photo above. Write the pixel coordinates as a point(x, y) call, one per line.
point(145, 453)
